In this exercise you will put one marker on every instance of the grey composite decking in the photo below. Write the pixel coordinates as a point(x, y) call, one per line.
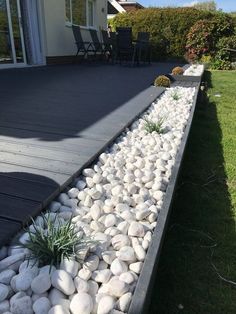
point(56, 120)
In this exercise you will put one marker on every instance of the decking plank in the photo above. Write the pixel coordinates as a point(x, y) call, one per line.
point(34, 191)
point(18, 209)
point(8, 229)
point(34, 175)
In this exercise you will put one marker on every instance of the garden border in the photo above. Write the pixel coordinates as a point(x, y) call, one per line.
point(143, 291)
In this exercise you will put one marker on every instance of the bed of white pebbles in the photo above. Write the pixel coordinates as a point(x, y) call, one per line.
point(116, 202)
point(194, 70)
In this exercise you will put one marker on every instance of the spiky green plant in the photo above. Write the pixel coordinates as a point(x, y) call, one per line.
point(56, 242)
point(151, 126)
point(175, 96)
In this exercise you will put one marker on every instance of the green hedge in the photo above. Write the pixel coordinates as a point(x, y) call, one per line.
point(169, 27)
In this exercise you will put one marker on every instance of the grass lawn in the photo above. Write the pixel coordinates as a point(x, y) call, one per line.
point(201, 230)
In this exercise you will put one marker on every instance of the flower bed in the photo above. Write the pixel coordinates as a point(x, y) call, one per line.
point(117, 203)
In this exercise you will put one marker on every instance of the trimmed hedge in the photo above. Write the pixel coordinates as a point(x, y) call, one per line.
point(168, 27)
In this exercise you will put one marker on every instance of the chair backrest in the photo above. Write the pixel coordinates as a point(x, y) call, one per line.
point(143, 37)
point(105, 37)
point(124, 37)
point(95, 40)
point(77, 34)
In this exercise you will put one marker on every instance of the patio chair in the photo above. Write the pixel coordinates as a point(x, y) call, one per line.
point(82, 46)
point(125, 47)
point(109, 45)
point(142, 47)
point(96, 44)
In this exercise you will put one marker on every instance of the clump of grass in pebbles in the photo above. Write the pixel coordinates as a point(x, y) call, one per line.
point(57, 241)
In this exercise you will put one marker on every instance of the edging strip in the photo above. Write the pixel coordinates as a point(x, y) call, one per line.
point(143, 291)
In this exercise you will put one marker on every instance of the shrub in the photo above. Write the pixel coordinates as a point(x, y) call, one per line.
point(151, 126)
point(199, 40)
point(204, 35)
point(57, 241)
point(177, 71)
point(162, 80)
point(223, 59)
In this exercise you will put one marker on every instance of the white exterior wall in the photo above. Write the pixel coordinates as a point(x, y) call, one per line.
point(59, 39)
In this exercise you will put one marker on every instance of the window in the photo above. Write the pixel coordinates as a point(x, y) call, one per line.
point(80, 12)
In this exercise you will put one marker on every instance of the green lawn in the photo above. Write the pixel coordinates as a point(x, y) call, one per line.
point(201, 230)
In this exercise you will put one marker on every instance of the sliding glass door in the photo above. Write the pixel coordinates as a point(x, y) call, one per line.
point(12, 50)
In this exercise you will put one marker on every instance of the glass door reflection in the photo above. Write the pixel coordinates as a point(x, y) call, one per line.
point(11, 33)
point(6, 55)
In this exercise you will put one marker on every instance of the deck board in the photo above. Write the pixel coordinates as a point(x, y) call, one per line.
point(56, 120)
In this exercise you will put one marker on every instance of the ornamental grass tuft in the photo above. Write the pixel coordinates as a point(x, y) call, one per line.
point(151, 126)
point(58, 240)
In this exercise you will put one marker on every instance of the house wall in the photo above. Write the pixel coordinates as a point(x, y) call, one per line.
point(59, 39)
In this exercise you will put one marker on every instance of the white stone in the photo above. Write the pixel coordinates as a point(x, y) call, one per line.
point(145, 244)
point(139, 252)
point(136, 267)
point(70, 266)
point(63, 197)
point(84, 273)
point(59, 309)
point(105, 305)
point(148, 236)
point(88, 172)
point(102, 265)
point(118, 267)
point(109, 256)
point(24, 278)
point(35, 296)
point(117, 287)
point(119, 241)
point(142, 214)
point(4, 306)
point(102, 276)
point(124, 302)
point(126, 253)
point(18, 295)
point(41, 283)
point(22, 305)
point(41, 306)
point(117, 190)
point(81, 285)
point(95, 212)
point(54, 206)
point(123, 226)
point(91, 262)
point(12, 262)
point(6, 276)
point(127, 277)
point(110, 220)
point(63, 282)
point(127, 215)
point(4, 290)
point(136, 229)
point(48, 269)
point(93, 287)
point(120, 207)
point(97, 178)
point(55, 296)
point(80, 185)
point(73, 192)
point(81, 303)
point(158, 195)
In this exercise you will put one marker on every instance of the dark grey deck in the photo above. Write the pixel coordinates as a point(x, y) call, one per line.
point(54, 121)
